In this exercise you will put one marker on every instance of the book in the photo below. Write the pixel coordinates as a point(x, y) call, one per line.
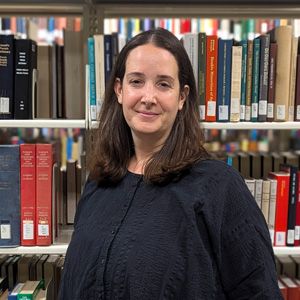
point(293, 289)
point(255, 80)
point(24, 266)
point(272, 207)
point(297, 92)
point(44, 88)
point(224, 80)
point(236, 77)
point(10, 214)
point(12, 272)
point(292, 170)
point(258, 192)
point(71, 187)
point(99, 70)
point(107, 57)
point(92, 87)
point(25, 77)
point(265, 201)
point(202, 73)
point(190, 44)
point(286, 265)
point(50, 273)
point(30, 289)
point(244, 45)
point(211, 78)
point(43, 194)
point(13, 294)
point(271, 83)
point(250, 182)
point(282, 201)
point(263, 77)
point(40, 267)
point(74, 75)
point(297, 221)
point(249, 75)
point(282, 35)
point(293, 72)
point(7, 54)
point(27, 194)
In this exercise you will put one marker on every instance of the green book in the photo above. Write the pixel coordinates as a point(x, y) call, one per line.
point(30, 289)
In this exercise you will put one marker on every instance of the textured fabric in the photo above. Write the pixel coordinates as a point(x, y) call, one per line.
point(201, 238)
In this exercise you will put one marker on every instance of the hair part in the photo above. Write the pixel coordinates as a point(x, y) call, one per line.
point(114, 146)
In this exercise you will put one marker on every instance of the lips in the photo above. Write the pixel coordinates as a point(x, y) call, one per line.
point(147, 114)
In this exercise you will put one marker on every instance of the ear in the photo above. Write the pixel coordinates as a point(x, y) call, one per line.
point(183, 96)
point(118, 89)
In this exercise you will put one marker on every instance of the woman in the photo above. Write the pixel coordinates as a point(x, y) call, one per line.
point(159, 218)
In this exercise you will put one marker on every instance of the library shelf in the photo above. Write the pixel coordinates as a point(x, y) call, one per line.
point(43, 123)
point(53, 249)
point(286, 250)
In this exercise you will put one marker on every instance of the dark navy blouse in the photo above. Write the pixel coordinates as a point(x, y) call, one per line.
point(203, 237)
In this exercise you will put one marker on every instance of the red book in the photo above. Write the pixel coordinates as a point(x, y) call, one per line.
point(297, 97)
point(43, 194)
point(211, 78)
point(293, 289)
point(297, 221)
point(283, 289)
point(27, 194)
point(282, 202)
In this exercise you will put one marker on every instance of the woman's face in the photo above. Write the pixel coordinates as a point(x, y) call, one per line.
point(150, 93)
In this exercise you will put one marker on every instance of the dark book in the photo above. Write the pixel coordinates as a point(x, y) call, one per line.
point(32, 268)
point(7, 48)
point(24, 266)
point(271, 85)
point(224, 80)
point(277, 159)
point(50, 273)
point(3, 284)
point(40, 267)
point(114, 47)
point(255, 80)
point(249, 70)
point(60, 68)
point(263, 77)
point(25, 92)
point(107, 56)
point(244, 163)
point(13, 272)
point(5, 266)
point(71, 188)
point(293, 171)
point(10, 213)
point(266, 163)
point(255, 165)
point(202, 72)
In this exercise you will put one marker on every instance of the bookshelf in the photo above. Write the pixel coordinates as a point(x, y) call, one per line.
point(95, 11)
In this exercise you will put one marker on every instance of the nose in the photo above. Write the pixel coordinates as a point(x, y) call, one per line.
point(149, 97)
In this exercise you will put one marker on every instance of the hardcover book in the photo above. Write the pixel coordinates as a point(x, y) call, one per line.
point(249, 80)
point(43, 194)
point(10, 214)
point(271, 84)
point(202, 73)
point(7, 48)
point(28, 199)
point(244, 45)
point(224, 80)
point(25, 92)
point(92, 87)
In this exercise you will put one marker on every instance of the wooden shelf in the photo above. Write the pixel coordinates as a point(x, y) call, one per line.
point(43, 123)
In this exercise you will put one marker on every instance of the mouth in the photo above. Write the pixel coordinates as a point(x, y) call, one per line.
point(147, 114)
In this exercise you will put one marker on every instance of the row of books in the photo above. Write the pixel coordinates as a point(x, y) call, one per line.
point(247, 80)
point(42, 81)
point(41, 29)
point(273, 179)
point(37, 195)
point(30, 276)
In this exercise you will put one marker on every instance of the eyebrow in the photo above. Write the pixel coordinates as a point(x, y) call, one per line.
point(167, 77)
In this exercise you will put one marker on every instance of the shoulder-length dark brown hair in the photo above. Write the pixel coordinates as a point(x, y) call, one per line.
point(114, 147)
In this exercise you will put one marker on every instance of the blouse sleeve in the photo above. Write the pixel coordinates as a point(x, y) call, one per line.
point(245, 260)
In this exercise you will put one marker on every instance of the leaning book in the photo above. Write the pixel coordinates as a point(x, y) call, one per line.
point(9, 196)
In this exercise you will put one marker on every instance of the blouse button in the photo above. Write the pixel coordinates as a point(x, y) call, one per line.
point(112, 231)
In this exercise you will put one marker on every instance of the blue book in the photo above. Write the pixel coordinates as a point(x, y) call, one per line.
point(107, 56)
point(244, 44)
point(224, 80)
point(13, 294)
point(93, 102)
point(10, 212)
point(255, 80)
point(7, 50)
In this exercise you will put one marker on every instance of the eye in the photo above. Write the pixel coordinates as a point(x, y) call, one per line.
point(135, 82)
point(164, 84)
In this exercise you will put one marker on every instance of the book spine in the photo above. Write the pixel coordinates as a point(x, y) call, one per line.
point(202, 72)
point(236, 76)
point(115, 47)
point(107, 56)
point(91, 51)
point(27, 194)
point(211, 78)
point(249, 80)
point(224, 80)
point(244, 45)
point(263, 77)
point(10, 196)
point(190, 43)
point(25, 78)
point(255, 80)
point(271, 85)
point(272, 209)
point(297, 220)
point(281, 214)
point(297, 95)
point(294, 51)
point(7, 52)
point(43, 194)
